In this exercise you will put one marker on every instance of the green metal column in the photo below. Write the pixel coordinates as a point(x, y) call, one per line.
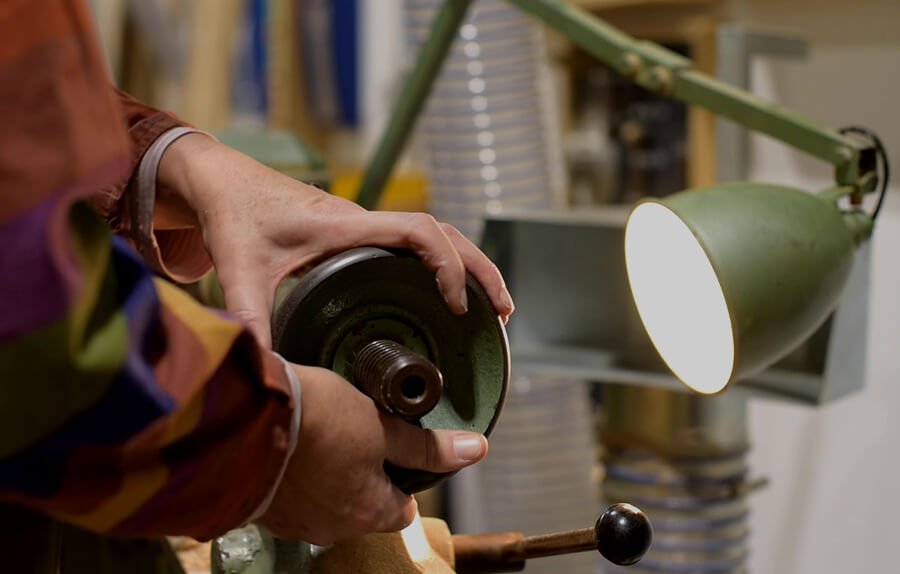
point(415, 91)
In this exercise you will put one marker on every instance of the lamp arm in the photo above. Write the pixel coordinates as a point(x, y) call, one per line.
point(648, 65)
point(655, 68)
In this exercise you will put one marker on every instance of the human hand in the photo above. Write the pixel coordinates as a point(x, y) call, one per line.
point(335, 486)
point(260, 225)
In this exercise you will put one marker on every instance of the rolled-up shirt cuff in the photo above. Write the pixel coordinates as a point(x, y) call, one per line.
point(177, 254)
point(294, 384)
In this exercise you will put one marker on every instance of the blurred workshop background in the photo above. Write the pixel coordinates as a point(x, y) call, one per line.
point(308, 86)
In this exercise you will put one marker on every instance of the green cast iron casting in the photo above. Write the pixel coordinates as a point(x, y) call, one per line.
point(367, 294)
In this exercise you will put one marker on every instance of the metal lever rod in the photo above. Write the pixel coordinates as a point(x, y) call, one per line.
point(559, 543)
point(622, 534)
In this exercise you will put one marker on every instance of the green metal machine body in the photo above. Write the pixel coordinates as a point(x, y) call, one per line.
point(282, 151)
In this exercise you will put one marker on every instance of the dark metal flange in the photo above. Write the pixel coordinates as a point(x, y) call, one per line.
point(329, 315)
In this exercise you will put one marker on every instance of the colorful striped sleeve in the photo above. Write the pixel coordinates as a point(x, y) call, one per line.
point(125, 406)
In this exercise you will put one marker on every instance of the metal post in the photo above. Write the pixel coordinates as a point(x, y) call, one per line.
point(735, 49)
point(415, 91)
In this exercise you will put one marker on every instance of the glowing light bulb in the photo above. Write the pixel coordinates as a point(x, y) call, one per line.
point(679, 298)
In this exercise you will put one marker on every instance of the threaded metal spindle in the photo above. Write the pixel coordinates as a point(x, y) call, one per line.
point(401, 381)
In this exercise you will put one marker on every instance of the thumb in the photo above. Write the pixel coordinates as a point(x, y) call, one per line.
point(412, 447)
point(251, 301)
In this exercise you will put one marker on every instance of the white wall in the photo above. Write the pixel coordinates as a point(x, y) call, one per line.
point(382, 48)
point(834, 499)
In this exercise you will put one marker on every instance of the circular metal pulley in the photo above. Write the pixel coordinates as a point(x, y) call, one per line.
point(376, 318)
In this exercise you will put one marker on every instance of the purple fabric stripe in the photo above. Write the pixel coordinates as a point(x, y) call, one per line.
point(32, 291)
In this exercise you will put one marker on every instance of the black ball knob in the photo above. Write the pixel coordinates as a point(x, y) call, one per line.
point(623, 534)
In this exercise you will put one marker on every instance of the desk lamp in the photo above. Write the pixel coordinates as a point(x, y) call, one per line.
point(729, 278)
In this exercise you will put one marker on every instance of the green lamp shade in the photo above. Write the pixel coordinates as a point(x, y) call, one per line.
point(730, 278)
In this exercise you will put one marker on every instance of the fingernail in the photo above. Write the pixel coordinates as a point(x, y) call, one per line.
point(507, 300)
point(467, 447)
point(464, 299)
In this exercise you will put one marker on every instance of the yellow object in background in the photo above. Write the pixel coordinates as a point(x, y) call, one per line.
point(405, 191)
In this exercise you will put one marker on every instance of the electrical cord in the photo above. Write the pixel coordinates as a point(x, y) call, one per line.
point(885, 165)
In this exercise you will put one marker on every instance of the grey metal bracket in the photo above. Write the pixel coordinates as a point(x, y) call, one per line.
point(736, 47)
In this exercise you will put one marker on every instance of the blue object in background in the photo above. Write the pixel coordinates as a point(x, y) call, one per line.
point(249, 90)
point(345, 45)
point(329, 38)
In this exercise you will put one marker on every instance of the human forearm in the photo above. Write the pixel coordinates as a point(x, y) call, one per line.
point(260, 225)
